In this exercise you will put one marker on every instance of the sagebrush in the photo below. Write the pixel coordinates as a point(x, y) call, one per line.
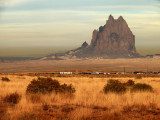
point(141, 87)
point(114, 86)
point(5, 79)
point(48, 85)
point(12, 98)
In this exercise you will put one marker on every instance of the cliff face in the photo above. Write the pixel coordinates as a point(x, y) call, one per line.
point(113, 40)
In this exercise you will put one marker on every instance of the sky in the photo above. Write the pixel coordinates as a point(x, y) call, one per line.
point(71, 22)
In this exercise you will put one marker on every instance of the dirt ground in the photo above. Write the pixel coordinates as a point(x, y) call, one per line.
point(131, 65)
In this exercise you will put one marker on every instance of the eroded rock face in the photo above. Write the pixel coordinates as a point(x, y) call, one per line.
point(113, 40)
point(84, 45)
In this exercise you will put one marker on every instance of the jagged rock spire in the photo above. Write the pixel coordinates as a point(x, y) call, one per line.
point(114, 38)
point(85, 44)
point(111, 17)
point(120, 18)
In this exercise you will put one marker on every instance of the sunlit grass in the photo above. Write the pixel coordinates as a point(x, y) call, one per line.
point(87, 99)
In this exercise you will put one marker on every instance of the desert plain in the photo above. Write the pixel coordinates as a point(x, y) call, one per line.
point(131, 65)
point(88, 102)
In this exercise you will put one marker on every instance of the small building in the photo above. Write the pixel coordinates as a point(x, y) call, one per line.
point(157, 56)
point(66, 73)
point(149, 56)
point(156, 73)
point(95, 73)
point(53, 73)
point(140, 73)
point(130, 73)
point(107, 73)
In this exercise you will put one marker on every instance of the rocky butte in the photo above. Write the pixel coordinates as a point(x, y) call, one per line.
point(113, 40)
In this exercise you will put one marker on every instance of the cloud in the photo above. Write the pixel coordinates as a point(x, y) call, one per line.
point(72, 4)
point(13, 3)
point(70, 27)
point(48, 22)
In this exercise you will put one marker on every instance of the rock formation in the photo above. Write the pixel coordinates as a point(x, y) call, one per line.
point(113, 40)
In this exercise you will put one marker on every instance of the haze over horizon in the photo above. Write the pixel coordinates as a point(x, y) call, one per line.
point(71, 22)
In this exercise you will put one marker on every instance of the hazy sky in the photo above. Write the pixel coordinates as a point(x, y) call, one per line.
point(71, 22)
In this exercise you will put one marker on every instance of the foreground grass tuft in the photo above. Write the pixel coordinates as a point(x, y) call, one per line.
point(138, 77)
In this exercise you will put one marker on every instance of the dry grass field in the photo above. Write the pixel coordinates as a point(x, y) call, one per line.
point(89, 102)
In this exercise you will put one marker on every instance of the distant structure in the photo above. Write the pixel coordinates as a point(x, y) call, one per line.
point(124, 70)
point(95, 73)
point(149, 56)
point(157, 56)
point(66, 73)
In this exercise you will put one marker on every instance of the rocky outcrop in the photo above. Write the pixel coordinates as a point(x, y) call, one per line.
point(84, 45)
point(113, 40)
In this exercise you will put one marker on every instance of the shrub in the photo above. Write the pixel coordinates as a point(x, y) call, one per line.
point(43, 85)
point(139, 107)
point(67, 109)
point(141, 87)
point(34, 98)
point(3, 110)
point(129, 83)
point(47, 85)
point(45, 107)
point(67, 96)
point(67, 88)
point(13, 98)
point(29, 116)
point(113, 116)
point(135, 107)
point(114, 86)
point(138, 77)
point(5, 79)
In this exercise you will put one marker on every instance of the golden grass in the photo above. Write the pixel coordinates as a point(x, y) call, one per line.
point(88, 100)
